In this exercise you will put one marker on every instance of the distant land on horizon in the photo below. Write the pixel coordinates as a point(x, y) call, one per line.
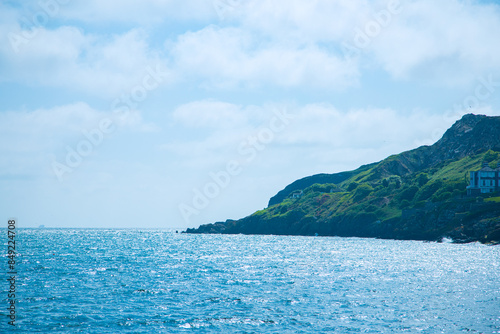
point(419, 194)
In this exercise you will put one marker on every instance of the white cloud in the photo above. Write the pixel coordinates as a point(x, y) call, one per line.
point(144, 12)
point(297, 44)
point(27, 138)
point(214, 129)
point(67, 57)
point(58, 120)
point(264, 44)
point(305, 21)
point(319, 135)
point(450, 41)
point(324, 125)
point(126, 12)
point(209, 113)
point(227, 57)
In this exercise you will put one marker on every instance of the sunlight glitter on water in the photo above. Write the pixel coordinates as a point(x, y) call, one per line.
point(105, 281)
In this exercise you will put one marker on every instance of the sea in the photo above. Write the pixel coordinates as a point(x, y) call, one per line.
point(159, 281)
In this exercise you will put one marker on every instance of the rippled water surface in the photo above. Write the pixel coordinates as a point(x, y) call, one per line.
point(154, 281)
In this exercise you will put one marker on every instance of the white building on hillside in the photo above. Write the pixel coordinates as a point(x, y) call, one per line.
point(484, 181)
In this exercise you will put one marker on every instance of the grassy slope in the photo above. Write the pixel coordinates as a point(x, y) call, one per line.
point(379, 196)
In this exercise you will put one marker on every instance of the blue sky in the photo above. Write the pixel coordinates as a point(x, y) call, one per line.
point(160, 114)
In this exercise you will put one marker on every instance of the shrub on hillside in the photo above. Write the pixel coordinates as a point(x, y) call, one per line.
point(409, 193)
point(362, 191)
point(428, 190)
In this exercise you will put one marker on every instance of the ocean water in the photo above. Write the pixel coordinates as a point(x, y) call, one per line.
point(156, 281)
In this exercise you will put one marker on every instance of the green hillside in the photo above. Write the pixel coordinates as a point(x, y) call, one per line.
point(382, 197)
point(418, 194)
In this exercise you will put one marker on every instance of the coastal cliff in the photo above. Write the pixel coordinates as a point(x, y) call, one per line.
point(418, 194)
